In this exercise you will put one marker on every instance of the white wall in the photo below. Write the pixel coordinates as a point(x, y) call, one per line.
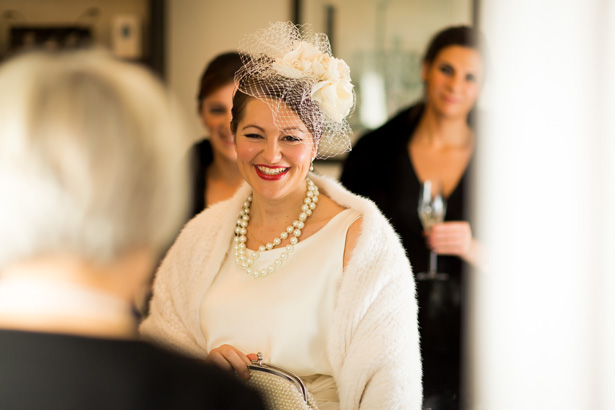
point(198, 30)
point(544, 317)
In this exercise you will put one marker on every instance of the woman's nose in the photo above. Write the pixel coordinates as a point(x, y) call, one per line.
point(455, 82)
point(272, 151)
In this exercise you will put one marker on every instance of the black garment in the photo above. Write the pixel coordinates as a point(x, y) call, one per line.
point(65, 372)
point(379, 167)
point(200, 157)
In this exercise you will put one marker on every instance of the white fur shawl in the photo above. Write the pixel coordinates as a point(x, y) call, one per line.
point(374, 347)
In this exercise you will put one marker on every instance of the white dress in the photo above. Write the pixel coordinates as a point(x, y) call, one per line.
point(286, 315)
point(373, 347)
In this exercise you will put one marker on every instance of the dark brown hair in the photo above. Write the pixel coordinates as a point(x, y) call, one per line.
point(219, 72)
point(452, 36)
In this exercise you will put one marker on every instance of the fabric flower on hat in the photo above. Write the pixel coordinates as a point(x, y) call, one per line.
point(332, 88)
point(305, 60)
point(334, 94)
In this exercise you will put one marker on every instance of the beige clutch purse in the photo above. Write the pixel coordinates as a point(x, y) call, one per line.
point(280, 388)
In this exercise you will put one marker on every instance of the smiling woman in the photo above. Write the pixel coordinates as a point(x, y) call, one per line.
point(453, 81)
point(266, 154)
point(324, 263)
point(431, 141)
point(214, 172)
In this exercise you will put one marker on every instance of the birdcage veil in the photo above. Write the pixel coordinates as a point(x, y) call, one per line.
point(289, 66)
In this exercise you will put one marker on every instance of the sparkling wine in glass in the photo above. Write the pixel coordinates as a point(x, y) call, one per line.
point(431, 209)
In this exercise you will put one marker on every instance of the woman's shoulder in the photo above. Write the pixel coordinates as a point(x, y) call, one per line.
point(396, 128)
point(209, 222)
point(199, 155)
point(348, 221)
point(200, 242)
point(203, 149)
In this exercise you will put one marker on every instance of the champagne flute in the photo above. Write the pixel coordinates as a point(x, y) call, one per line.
point(431, 210)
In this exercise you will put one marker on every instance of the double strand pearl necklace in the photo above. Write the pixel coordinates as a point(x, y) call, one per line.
point(246, 258)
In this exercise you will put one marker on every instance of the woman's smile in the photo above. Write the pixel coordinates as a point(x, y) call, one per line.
point(271, 172)
point(273, 161)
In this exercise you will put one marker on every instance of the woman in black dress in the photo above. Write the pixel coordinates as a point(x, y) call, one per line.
point(432, 140)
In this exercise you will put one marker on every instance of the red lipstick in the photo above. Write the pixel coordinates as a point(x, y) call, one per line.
point(268, 177)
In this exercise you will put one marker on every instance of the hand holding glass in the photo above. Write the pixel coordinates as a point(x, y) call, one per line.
point(431, 209)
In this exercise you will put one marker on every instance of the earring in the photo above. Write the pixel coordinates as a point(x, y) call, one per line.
point(312, 166)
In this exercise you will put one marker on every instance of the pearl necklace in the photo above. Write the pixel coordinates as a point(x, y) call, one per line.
point(246, 258)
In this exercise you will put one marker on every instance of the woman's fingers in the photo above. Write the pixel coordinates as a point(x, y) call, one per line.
point(219, 360)
point(240, 362)
point(455, 238)
point(252, 356)
point(450, 238)
point(229, 358)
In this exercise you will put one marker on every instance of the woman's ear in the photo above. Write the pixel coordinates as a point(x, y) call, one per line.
point(315, 148)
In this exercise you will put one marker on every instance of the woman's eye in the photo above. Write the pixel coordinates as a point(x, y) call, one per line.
point(217, 110)
point(446, 69)
point(253, 136)
point(471, 78)
point(291, 138)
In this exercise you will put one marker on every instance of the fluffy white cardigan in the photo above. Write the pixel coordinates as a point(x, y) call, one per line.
point(374, 344)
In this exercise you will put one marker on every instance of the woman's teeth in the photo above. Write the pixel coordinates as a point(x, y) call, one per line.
point(271, 171)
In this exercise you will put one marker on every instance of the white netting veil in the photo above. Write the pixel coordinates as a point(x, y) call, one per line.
point(288, 66)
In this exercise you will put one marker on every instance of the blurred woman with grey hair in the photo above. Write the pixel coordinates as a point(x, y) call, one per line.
point(91, 192)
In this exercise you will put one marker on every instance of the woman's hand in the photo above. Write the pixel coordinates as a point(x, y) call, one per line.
point(229, 358)
point(454, 238)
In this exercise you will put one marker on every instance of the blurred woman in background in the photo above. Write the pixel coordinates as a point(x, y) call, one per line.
point(91, 192)
point(432, 140)
point(214, 161)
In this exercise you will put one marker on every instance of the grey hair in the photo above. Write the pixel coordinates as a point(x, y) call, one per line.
point(89, 158)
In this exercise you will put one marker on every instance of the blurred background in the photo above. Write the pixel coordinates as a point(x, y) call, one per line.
point(381, 40)
point(542, 323)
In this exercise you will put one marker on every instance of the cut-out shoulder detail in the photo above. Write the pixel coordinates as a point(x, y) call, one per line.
point(352, 236)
